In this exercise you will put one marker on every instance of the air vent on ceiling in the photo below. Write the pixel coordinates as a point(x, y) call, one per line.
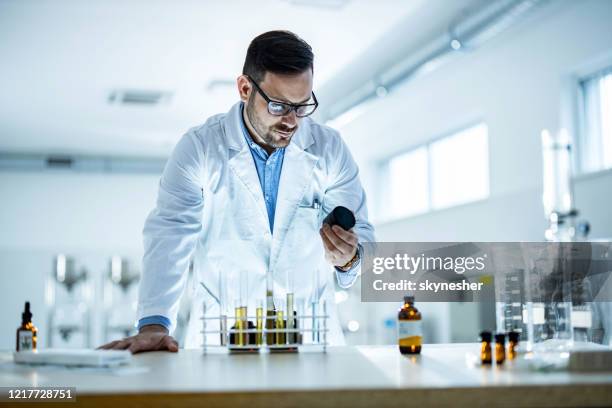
point(138, 97)
point(328, 4)
point(59, 162)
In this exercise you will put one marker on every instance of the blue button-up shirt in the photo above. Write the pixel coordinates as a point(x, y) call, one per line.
point(269, 168)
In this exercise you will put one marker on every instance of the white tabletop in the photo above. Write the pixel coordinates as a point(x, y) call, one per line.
point(439, 374)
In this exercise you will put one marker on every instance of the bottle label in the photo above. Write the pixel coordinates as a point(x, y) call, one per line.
point(25, 340)
point(409, 332)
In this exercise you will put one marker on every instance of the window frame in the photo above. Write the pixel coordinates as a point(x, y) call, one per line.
point(382, 169)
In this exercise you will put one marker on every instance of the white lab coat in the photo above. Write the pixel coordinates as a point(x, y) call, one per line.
point(211, 209)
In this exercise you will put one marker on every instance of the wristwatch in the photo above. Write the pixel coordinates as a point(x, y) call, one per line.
point(347, 266)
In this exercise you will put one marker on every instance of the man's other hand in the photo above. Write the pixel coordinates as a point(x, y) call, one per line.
point(150, 338)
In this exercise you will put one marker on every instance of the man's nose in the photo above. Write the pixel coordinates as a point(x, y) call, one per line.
point(290, 119)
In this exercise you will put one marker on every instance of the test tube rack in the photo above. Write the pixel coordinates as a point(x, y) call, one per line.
point(270, 340)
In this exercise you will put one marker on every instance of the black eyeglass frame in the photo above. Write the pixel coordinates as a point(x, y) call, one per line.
point(289, 106)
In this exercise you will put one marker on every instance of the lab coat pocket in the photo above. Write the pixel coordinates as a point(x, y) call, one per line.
point(303, 234)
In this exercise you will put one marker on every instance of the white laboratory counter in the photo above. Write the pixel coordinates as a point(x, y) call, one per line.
point(363, 376)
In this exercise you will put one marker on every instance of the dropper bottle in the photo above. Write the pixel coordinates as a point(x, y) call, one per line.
point(27, 332)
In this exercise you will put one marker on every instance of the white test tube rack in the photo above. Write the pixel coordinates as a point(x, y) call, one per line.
point(318, 331)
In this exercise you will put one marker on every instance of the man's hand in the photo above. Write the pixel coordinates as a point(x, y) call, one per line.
point(340, 245)
point(150, 338)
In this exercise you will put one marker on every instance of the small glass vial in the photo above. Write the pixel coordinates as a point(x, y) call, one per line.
point(26, 333)
point(500, 348)
point(409, 330)
point(513, 341)
point(485, 347)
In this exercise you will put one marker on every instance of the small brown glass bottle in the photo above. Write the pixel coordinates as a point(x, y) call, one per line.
point(513, 341)
point(26, 333)
point(485, 347)
point(500, 348)
point(409, 330)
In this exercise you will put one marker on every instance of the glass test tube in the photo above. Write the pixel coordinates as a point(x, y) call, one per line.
point(259, 323)
point(223, 308)
point(290, 290)
point(239, 336)
point(280, 324)
point(290, 318)
point(299, 322)
point(315, 304)
point(270, 317)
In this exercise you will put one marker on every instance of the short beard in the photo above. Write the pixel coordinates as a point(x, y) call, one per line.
point(259, 127)
point(264, 133)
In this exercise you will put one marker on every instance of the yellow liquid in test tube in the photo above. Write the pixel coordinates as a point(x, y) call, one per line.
point(241, 325)
point(259, 325)
point(280, 324)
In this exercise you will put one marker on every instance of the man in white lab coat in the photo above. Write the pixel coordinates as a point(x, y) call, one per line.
point(243, 196)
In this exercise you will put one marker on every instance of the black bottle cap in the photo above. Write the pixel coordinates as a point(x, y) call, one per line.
point(408, 299)
point(485, 336)
point(342, 217)
point(26, 316)
point(514, 336)
point(500, 338)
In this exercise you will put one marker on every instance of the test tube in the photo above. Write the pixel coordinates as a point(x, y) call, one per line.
point(280, 324)
point(244, 324)
point(299, 322)
point(290, 318)
point(225, 308)
point(259, 323)
point(223, 328)
point(239, 325)
point(244, 296)
point(290, 290)
point(315, 308)
point(270, 317)
point(204, 326)
point(324, 325)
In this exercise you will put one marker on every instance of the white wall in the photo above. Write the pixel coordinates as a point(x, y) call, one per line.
point(516, 84)
point(88, 216)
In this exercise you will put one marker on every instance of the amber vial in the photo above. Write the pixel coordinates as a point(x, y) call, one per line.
point(409, 330)
point(513, 341)
point(485, 347)
point(27, 332)
point(500, 348)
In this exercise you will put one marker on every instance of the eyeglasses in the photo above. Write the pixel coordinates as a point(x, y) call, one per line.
point(277, 108)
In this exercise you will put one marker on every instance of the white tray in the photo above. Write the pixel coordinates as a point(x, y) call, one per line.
point(74, 357)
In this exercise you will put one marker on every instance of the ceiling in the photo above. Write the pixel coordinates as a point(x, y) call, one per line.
point(61, 60)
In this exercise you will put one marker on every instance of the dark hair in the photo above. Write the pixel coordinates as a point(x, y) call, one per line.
point(279, 52)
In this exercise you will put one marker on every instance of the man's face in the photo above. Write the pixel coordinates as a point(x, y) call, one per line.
point(275, 131)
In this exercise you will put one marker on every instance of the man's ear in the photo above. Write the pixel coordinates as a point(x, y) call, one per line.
point(244, 87)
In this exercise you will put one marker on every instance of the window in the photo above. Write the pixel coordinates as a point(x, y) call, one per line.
point(408, 184)
point(460, 168)
point(595, 142)
point(446, 172)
